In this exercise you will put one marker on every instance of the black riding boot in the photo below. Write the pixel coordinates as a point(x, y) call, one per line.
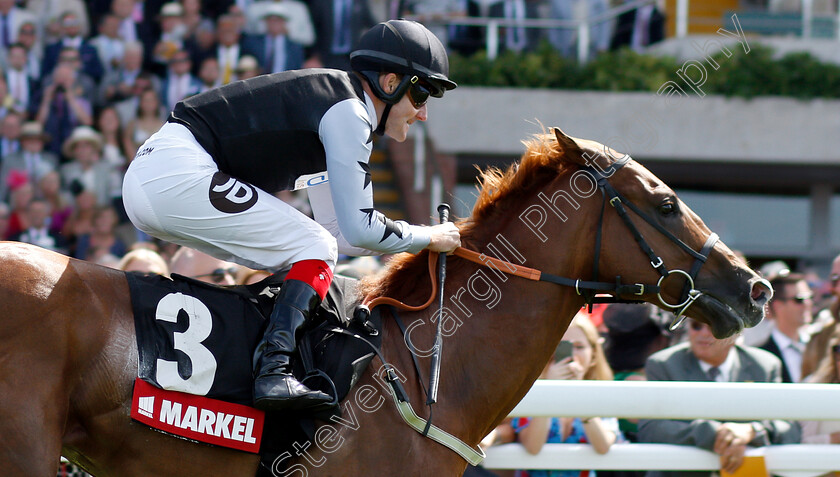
point(275, 388)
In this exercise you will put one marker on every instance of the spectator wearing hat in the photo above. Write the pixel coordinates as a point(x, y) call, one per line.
point(86, 169)
point(298, 19)
point(31, 159)
point(173, 31)
point(276, 50)
point(21, 85)
point(71, 37)
point(179, 82)
point(248, 67)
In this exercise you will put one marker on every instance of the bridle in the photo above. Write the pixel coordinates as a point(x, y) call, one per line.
point(618, 202)
point(590, 290)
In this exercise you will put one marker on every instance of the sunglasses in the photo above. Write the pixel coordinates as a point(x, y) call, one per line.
point(834, 279)
point(836, 349)
point(418, 94)
point(218, 275)
point(798, 299)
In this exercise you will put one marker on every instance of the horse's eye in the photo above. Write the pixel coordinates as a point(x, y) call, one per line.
point(668, 208)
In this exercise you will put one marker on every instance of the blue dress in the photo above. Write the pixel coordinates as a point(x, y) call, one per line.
point(576, 436)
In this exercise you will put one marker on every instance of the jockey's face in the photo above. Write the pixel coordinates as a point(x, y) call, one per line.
point(404, 113)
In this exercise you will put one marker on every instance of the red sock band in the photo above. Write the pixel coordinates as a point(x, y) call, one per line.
point(316, 273)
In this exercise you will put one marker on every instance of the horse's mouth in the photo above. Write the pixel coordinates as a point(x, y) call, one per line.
point(723, 319)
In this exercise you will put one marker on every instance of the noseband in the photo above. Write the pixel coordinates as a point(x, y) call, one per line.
point(618, 202)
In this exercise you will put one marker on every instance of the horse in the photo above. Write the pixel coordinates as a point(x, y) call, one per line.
point(68, 354)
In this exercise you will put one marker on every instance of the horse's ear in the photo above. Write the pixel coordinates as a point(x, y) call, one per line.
point(569, 147)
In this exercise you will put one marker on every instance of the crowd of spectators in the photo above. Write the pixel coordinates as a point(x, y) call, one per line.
point(84, 84)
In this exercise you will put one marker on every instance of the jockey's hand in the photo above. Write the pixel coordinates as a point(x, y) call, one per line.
point(445, 238)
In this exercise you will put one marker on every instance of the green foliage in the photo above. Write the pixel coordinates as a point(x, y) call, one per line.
point(741, 74)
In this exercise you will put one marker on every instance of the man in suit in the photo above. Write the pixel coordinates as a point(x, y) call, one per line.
point(705, 358)
point(21, 85)
point(71, 39)
point(276, 50)
point(791, 311)
point(230, 46)
point(11, 19)
point(179, 82)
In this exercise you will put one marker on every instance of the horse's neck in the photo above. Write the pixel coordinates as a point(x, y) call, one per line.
point(507, 329)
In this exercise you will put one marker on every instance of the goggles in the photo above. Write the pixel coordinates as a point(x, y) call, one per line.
point(418, 94)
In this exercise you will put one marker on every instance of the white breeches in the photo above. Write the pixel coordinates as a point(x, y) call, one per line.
point(174, 191)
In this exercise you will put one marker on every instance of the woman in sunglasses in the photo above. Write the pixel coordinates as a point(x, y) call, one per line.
point(206, 179)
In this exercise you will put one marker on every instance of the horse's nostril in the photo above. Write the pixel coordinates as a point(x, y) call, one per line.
point(761, 291)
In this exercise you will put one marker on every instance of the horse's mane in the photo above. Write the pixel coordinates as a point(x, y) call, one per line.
point(498, 191)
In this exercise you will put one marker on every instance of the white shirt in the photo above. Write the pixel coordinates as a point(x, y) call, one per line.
point(179, 87)
point(725, 367)
point(18, 84)
point(791, 352)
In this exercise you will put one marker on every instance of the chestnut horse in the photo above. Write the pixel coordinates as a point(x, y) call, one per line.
point(68, 355)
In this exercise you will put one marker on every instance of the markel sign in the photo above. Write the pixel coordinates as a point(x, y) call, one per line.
point(198, 418)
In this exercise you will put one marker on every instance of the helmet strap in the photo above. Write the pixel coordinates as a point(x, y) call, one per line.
point(380, 129)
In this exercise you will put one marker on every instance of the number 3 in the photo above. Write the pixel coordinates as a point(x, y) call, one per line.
point(199, 326)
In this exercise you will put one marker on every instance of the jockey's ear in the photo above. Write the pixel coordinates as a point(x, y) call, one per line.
point(568, 147)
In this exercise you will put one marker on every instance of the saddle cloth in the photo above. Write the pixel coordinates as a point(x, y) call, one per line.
point(199, 339)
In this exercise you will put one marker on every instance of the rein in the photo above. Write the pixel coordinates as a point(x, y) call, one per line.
point(587, 289)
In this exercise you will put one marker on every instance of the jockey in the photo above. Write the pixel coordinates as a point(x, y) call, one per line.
point(206, 179)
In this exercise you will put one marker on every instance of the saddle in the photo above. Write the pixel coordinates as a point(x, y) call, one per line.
point(199, 339)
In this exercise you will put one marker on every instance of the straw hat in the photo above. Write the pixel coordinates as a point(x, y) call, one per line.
point(81, 133)
point(172, 9)
point(276, 9)
point(247, 63)
point(33, 130)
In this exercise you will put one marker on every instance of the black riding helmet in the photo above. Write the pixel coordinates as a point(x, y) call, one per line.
point(407, 48)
